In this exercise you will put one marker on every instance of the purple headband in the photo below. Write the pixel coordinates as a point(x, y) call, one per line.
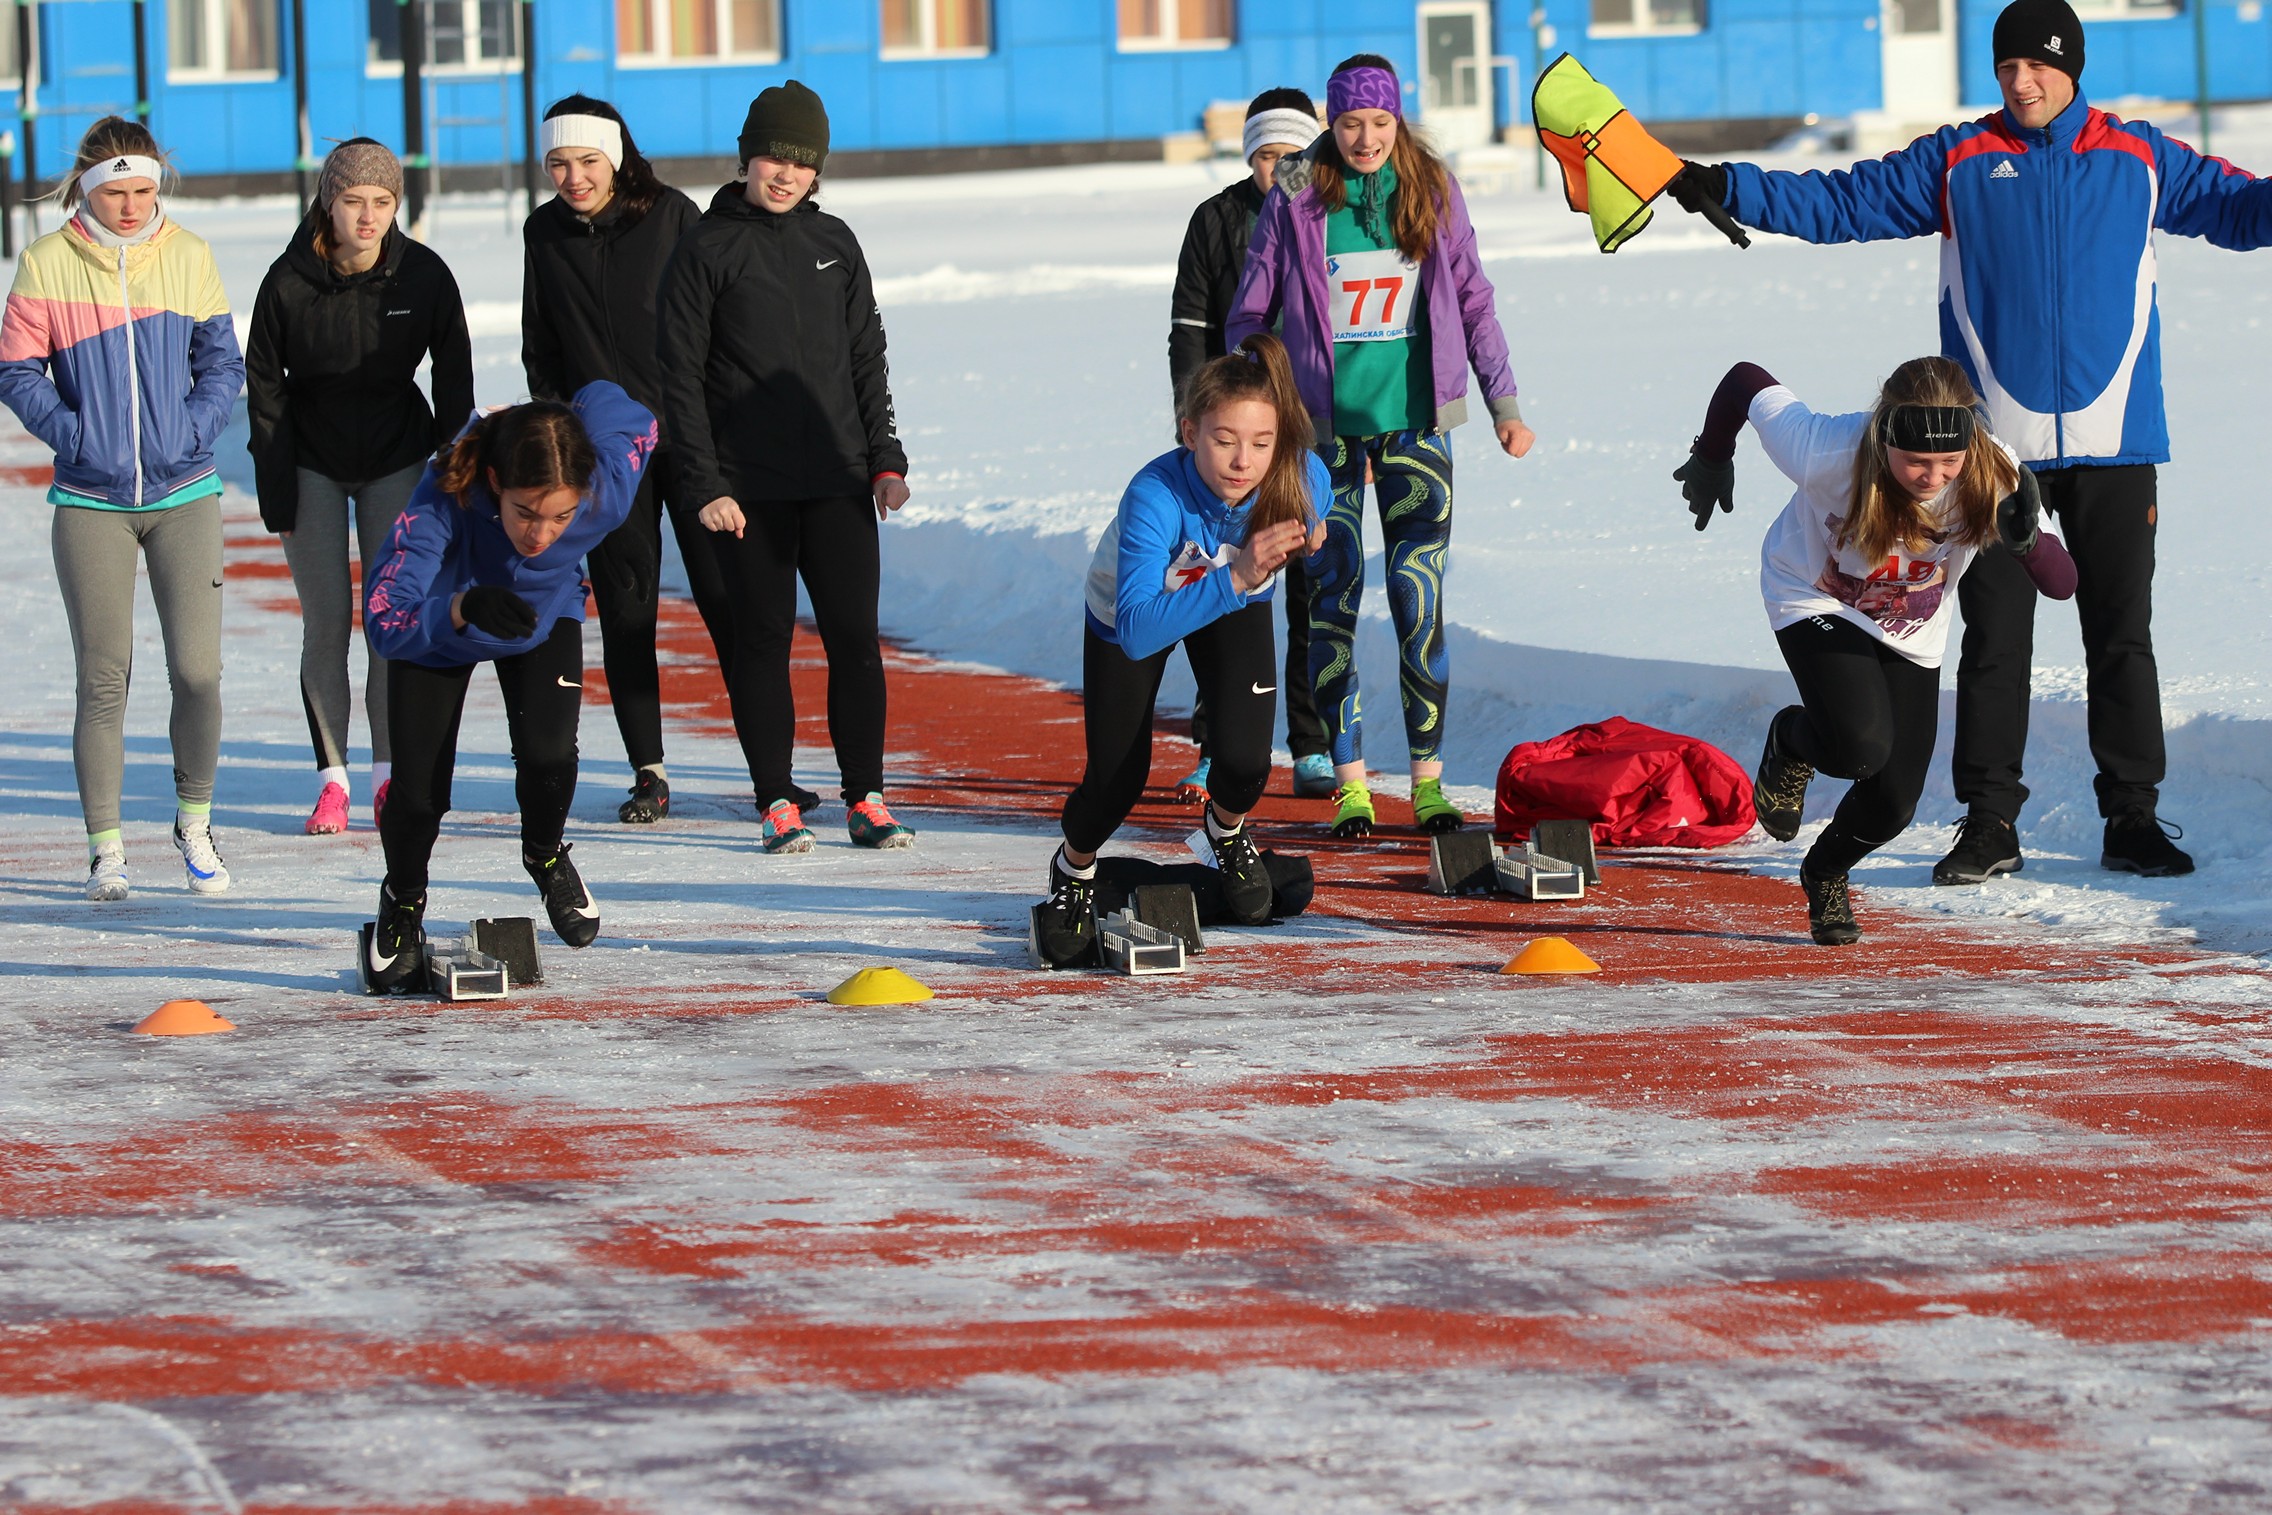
point(1363, 89)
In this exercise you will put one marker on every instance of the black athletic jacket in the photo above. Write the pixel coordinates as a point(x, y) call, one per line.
point(331, 368)
point(1207, 276)
point(588, 295)
point(772, 351)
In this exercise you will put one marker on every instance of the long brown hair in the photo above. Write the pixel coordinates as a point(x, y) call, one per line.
point(1422, 181)
point(111, 137)
point(537, 445)
point(1881, 514)
point(1259, 370)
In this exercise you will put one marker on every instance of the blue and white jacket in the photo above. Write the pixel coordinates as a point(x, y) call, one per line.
point(2047, 260)
point(1162, 569)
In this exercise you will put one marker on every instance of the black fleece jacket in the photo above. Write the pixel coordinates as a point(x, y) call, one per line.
point(331, 368)
point(772, 350)
point(588, 292)
point(1207, 277)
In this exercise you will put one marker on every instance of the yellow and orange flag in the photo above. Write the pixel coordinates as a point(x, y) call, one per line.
point(1611, 167)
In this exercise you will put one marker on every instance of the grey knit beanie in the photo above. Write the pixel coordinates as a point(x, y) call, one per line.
point(359, 160)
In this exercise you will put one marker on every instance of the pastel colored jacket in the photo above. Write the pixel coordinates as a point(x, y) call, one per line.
point(121, 359)
point(2047, 287)
point(441, 546)
point(1285, 277)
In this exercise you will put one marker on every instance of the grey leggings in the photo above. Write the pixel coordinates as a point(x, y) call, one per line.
point(94, 564)
point(316, 549)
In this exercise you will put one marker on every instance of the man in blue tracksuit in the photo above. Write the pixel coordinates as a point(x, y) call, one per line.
point(2046, 211)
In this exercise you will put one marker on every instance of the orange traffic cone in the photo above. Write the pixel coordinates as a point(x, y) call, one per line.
point(183, 1017)
point(1551, 954)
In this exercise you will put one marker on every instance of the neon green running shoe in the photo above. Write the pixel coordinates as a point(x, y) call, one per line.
point(1431, 812)
point(1353, 809)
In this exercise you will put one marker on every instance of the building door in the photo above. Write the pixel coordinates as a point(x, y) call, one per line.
point(1920, 60)
point(1455, 72)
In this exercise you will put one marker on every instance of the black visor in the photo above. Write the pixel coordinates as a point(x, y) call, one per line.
point(1926, 428)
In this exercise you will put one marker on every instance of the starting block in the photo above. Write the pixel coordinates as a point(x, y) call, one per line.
point(1128, 945)
point(455, 971)
point(1459, 862)
point(1172, 908)
point(484, 965)
point(1571, 841)
point(1532, 875)
point(511, 940)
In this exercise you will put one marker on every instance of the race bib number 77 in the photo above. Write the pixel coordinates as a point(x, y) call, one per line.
point(1370, 295)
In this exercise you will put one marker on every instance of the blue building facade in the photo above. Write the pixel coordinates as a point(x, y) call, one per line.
point(941, 75)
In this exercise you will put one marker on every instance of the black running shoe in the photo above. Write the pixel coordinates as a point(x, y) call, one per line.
point(1246, 883)
point(575, 914)
point(1830, 910)
point(2138, 841)
point(1779, 792)
point(1986, 845)
point(1065, 924)
point(650, 800)
point(395, 960)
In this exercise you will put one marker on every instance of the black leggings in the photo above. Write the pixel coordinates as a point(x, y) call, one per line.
point(626, 570)
point(543, 691)
point(832, 545)
point(1305, 730)
point(1871, 716)
point(1234, 660)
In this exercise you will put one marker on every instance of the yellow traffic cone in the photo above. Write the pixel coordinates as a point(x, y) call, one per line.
point(878, 986)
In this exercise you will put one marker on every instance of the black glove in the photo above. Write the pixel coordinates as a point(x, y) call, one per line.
point(2019, 515)
point(1698, 185)
point(499, 612)
point(1706, 482)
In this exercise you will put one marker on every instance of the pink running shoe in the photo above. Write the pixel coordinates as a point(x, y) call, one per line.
point(379, 803)
point(331, 812)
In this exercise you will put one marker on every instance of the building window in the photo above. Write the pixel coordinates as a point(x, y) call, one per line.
point(666, 31)
point(2129, 10)
point(932, 28)
point(1627, 17)
point(214, 38)
point(459, 33)
point(1175, 23)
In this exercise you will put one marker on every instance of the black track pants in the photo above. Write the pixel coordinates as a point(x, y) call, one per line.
point(1305, 733)
point(2106, 518)
point(1235, 661)
point(543, 689)
point(1871, 716)
point(833, 546)
point(626, 570)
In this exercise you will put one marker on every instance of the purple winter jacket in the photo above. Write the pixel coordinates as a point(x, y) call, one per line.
point(1285, 276)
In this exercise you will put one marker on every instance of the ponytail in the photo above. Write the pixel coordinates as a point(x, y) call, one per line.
point(537, 445)
point(1259, 370)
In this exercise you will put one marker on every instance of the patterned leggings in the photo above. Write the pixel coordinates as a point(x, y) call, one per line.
point(1412, 481)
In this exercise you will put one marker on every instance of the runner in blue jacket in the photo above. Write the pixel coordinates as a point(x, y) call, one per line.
point(1192, 557)
point(484, 565)
point(2046, 211)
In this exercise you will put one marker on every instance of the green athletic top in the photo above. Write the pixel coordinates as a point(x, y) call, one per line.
point(195, 489)
point(1389, 385)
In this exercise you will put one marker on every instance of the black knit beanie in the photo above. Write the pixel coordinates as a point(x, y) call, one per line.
point(2046, 31)
point(786, 122)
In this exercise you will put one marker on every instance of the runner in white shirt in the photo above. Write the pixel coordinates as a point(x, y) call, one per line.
point(1859, 574)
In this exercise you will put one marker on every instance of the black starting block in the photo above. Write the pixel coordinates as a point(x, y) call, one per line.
point(1172, 908)
point(484, 965)
point(1459, 862)
point(1571, 841)
point(511, 940)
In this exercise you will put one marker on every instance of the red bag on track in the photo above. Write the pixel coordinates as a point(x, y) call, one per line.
point(1641, 787)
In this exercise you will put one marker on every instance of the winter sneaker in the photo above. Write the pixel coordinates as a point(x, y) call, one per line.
point(1830, 910)
point(1353, 809)
point(1313, 777)
point(379, 803)
point(650, 800)
point(1246, 883)
point(575, 914)
point(395, 958)
point(330, 817)
point(1065, 924)
point(1431, 812)
point(1779, 792)
point(783, 829)
point(1192, 787)
point(2138, 841)
point(871, 825)
point(200, 859)
point(106, 873)
point(1986, 845)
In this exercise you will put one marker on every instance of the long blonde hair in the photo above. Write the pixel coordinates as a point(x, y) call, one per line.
point(1260, 370)
point(1880, 514)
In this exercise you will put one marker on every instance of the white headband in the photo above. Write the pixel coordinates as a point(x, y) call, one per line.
point(586, 131)
point(131, 166)
point(1293, 128)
